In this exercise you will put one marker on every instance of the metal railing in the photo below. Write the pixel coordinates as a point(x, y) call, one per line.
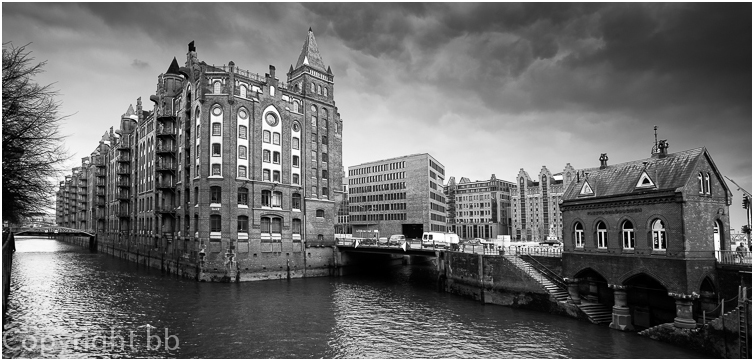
point(733, 257)
point(544, 251)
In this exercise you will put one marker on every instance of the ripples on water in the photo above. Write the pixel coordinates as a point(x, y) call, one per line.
point(61, 292)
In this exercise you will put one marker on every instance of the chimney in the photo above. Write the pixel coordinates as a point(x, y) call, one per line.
point(603, 161)
point(663, 147)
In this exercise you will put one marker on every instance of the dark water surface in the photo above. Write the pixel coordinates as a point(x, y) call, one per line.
point(69, 303)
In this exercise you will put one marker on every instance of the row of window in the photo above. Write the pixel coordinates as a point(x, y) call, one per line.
point(378, 187)
point(378, 217)
point(377, 178)
point(377, 197)
point(704, 183)
point(628, 237)
point(377, 168)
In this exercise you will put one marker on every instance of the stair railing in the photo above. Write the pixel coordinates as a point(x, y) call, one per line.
point(549, 274)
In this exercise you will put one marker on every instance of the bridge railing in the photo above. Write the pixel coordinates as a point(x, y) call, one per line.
point(544, 251)
point(733, 257)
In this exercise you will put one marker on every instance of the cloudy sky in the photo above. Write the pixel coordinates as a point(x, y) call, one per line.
point(484, 88)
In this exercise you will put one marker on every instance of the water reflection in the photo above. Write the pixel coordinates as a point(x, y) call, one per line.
point(61, 292)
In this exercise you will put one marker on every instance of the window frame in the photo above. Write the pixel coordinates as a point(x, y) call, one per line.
point(628, 235)
point(578, 230)
point(601, 235)
point(659, 236)
point(217, 129)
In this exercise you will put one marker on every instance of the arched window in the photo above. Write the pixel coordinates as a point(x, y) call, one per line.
point(242, 132)
point(242, 151)
point(628, 235)
point(276, 157)
point(601, 235)
point(296, 201)
point(277, 199)
point(314, 115)
point(295, 179)
point(324, 139)
point(266, 175)
point(241, 171)
point(295, 161)
point(216, 87)
point(243, 91)
point(243, 224)
point(215, 194)
point(198, 130)
point(266, 156)
point(216, 169)
point(266, 136)
point(276, 138)
point(313, 87)
point(320, 213)
point(294, 143)
point(325, 91)
point(320, 237)
point(266, 198)
point(215, 149)
point(296, 105)
point(659, 240)
point(265, 225)
point(319, 89)
point(701, 182)
point(243, 196)
point(578, 231)
point(276, 176)
point(707, 188)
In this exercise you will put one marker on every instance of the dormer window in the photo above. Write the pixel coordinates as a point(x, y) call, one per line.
point(586, 189)
point(645, 181)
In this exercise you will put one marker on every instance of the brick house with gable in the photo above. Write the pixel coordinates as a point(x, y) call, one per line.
point(641, 236)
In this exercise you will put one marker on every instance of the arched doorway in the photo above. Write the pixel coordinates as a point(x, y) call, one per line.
point(648, 301)
point(717, 236)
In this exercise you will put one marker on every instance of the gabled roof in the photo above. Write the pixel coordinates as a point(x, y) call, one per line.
point(668, 173)
point(173, 68)
point(310, 54)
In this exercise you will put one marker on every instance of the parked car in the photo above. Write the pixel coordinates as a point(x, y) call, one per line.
point(553, 243)
point(382, 241)
point(396, 240)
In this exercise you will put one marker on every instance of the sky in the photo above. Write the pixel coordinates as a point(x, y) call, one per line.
point(486, 88)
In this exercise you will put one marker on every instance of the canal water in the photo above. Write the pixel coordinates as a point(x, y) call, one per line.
point(69, 303)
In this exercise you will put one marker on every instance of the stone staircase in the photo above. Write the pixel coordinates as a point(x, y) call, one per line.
point(596, 312)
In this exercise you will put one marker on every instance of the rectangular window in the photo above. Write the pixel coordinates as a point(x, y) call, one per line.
point(314, 191)
point(266, 155)
point(295, 178)
point(242, 172)
point(215, 169)
point(242, 132)
point(243, 224)
point(215, 128)
point(294, 143)
point(265, 225)
point(242, 152)
point(215, 149)
point(314, 156)
point(276, 157)
point(215, 223)
point(266, 136)
point(276, 138)
point(276, 176)
point(277, 199)
point(295, 161)
point(266, 175)
point(277, 225)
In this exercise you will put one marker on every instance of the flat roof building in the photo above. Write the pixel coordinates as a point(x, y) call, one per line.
point(402, 195)
point(479, 209)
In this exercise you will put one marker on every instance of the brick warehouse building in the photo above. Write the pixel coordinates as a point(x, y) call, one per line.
point(534, 204)
point(480, 208)
point(641, 236)
point(231, 170)
point(402, 195)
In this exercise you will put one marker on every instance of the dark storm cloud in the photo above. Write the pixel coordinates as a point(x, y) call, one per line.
point(139, 64)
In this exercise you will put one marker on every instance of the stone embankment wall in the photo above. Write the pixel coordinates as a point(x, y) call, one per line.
point(495, 280)
point(313, 262)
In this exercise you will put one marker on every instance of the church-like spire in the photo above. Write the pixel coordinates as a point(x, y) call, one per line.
point(310, 54)
point(173, 68)
point(129, 112)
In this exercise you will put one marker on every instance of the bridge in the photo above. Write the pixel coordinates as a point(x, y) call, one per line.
point(50, 232)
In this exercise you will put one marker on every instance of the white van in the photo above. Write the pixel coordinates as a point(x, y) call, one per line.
point(439, 239)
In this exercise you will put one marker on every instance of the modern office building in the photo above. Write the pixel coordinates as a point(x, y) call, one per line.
point(402, 195)
point(230, 169)
point(479, 209)
point(534, 204)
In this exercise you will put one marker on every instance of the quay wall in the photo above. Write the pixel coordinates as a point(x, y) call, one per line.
point(495, 280)
point(315, 261)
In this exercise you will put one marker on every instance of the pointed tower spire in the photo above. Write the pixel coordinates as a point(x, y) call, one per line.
point(173, 68)
point(310, 54)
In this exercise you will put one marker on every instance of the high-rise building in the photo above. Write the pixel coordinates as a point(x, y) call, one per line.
point(230, 168)
point(534, 204)
point(402, 195)
point(479, 209)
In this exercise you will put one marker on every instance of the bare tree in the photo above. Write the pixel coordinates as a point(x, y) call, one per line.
point(33, 153)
